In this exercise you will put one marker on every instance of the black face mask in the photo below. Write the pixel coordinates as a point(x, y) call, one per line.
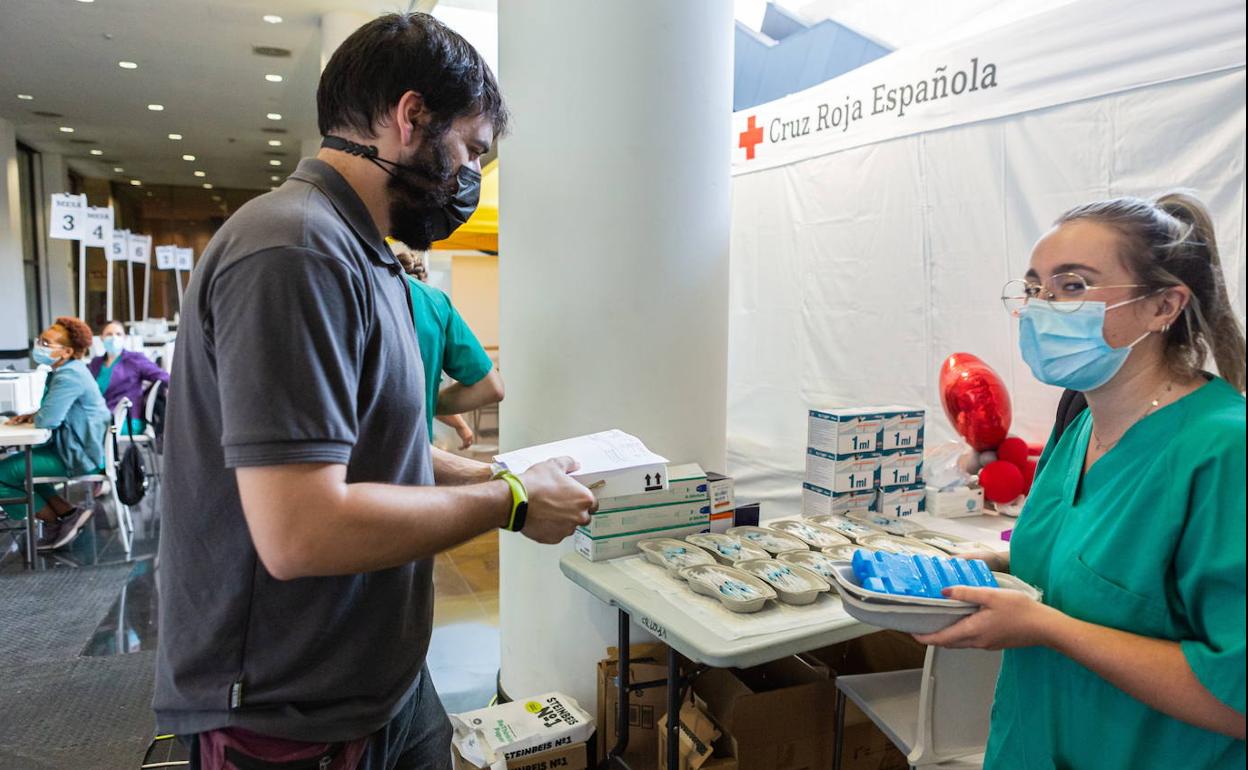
point(423, 211)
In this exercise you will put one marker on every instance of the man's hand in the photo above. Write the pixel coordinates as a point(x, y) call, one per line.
point(558, 504)
point(22, 419)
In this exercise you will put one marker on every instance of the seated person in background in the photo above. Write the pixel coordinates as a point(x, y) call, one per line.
point(447, 345)
point(73, 409)
point(121, 373)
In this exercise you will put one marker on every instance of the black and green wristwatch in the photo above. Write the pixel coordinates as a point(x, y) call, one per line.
point(519, 500)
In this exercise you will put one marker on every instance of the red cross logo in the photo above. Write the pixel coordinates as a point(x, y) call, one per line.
point(750, 137)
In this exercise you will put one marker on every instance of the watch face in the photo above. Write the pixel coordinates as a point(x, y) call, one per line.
point(522, 508)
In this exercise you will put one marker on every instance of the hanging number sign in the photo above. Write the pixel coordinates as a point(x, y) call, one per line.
point(166, 257)
point(67, 217)
point(99, 232)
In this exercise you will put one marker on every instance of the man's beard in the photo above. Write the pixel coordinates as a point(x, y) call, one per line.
point(418, 189)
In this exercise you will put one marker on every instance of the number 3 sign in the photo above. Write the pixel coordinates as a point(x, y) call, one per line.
point(68, 217)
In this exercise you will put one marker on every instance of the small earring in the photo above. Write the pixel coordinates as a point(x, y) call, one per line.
point(1165, 329)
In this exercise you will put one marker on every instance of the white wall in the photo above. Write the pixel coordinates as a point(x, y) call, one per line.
point(13, 332)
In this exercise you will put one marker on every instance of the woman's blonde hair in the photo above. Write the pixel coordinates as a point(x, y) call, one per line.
point(1168, 242)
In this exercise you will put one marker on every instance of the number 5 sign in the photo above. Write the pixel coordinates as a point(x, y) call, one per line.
point(67, 218)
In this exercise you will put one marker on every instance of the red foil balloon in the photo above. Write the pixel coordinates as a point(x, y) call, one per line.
point(975, 400)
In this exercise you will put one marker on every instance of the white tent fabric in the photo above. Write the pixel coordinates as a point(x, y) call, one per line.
point(855, 273)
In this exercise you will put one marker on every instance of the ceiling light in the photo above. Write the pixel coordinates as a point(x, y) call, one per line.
point(136, 182)
point(275, 142)
point(176, 137)
point(273, 78)
point(127, 65)
point(25, 97)
point(118, 170)
point(207, 185)
point(156, 107)
point(97, 152)
point(275, 162)
point(274, 116)
point(275, 178)
point(188, 157)
point(201, 173)
point(272, 19)
point(66, 130)
point(86, 1)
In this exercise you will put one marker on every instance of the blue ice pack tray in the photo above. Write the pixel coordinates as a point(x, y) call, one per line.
point(918, 575)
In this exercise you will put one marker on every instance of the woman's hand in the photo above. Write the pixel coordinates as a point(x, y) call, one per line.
point(1006, 619)
point(996, 560)
point(22, 419)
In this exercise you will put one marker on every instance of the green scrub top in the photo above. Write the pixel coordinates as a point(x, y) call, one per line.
point(447, 344)
point(1150, 541)
point(105, 375)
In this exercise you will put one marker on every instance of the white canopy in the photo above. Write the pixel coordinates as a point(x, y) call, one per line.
point(866, 249)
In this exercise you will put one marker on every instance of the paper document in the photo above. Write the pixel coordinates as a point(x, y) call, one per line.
point(613, 463)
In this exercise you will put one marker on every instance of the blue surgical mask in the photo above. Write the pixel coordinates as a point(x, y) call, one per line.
point(43, 356)
point(114, 345)
point(1068, 348)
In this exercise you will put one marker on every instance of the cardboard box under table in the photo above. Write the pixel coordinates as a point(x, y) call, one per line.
point(686, 638)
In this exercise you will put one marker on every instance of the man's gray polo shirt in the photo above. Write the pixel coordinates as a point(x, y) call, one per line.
point(296, 345)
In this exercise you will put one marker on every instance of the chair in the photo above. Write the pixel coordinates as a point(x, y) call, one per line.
point(124, 523)
point(937, 715)
point(147, 439)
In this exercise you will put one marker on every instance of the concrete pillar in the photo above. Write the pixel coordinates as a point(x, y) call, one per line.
point(613, 271)
point(14, 334)
point(58, 267)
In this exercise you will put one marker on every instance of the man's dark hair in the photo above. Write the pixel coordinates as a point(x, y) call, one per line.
point(401, 52)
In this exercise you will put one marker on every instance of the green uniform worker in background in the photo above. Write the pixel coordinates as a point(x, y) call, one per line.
point(1134, 527)
point(448, 345)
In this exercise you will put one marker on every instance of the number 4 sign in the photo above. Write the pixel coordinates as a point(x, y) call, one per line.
point(67, 218)
point(100, 229)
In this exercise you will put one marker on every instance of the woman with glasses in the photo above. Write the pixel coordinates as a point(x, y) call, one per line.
point(1134, 527)
point(73, 409)
point(121, 373)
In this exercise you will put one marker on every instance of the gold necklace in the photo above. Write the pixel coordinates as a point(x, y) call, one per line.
point(1104, 447)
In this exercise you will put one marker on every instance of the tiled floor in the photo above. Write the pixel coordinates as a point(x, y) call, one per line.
point(464, 651)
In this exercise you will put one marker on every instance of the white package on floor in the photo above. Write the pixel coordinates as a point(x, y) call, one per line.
point(490, 737)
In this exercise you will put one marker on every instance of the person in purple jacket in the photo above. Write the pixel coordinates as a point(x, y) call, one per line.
point(122, 373)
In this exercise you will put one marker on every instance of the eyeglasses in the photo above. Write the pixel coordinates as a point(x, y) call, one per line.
point(1067, 292)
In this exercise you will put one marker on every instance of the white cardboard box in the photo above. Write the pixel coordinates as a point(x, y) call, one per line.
point(842, 474)
point(843, 432)
point(902, 429)
point(625, 520)
point(720, 488)
point(903, 468)
point(613, 463)
point(817, 501)
point(614, 546)
point(956, 502)
point(685, 483)
point(903, 501)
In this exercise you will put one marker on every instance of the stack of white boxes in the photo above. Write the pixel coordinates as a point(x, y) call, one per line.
point(865, 459)
point(621, 522)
